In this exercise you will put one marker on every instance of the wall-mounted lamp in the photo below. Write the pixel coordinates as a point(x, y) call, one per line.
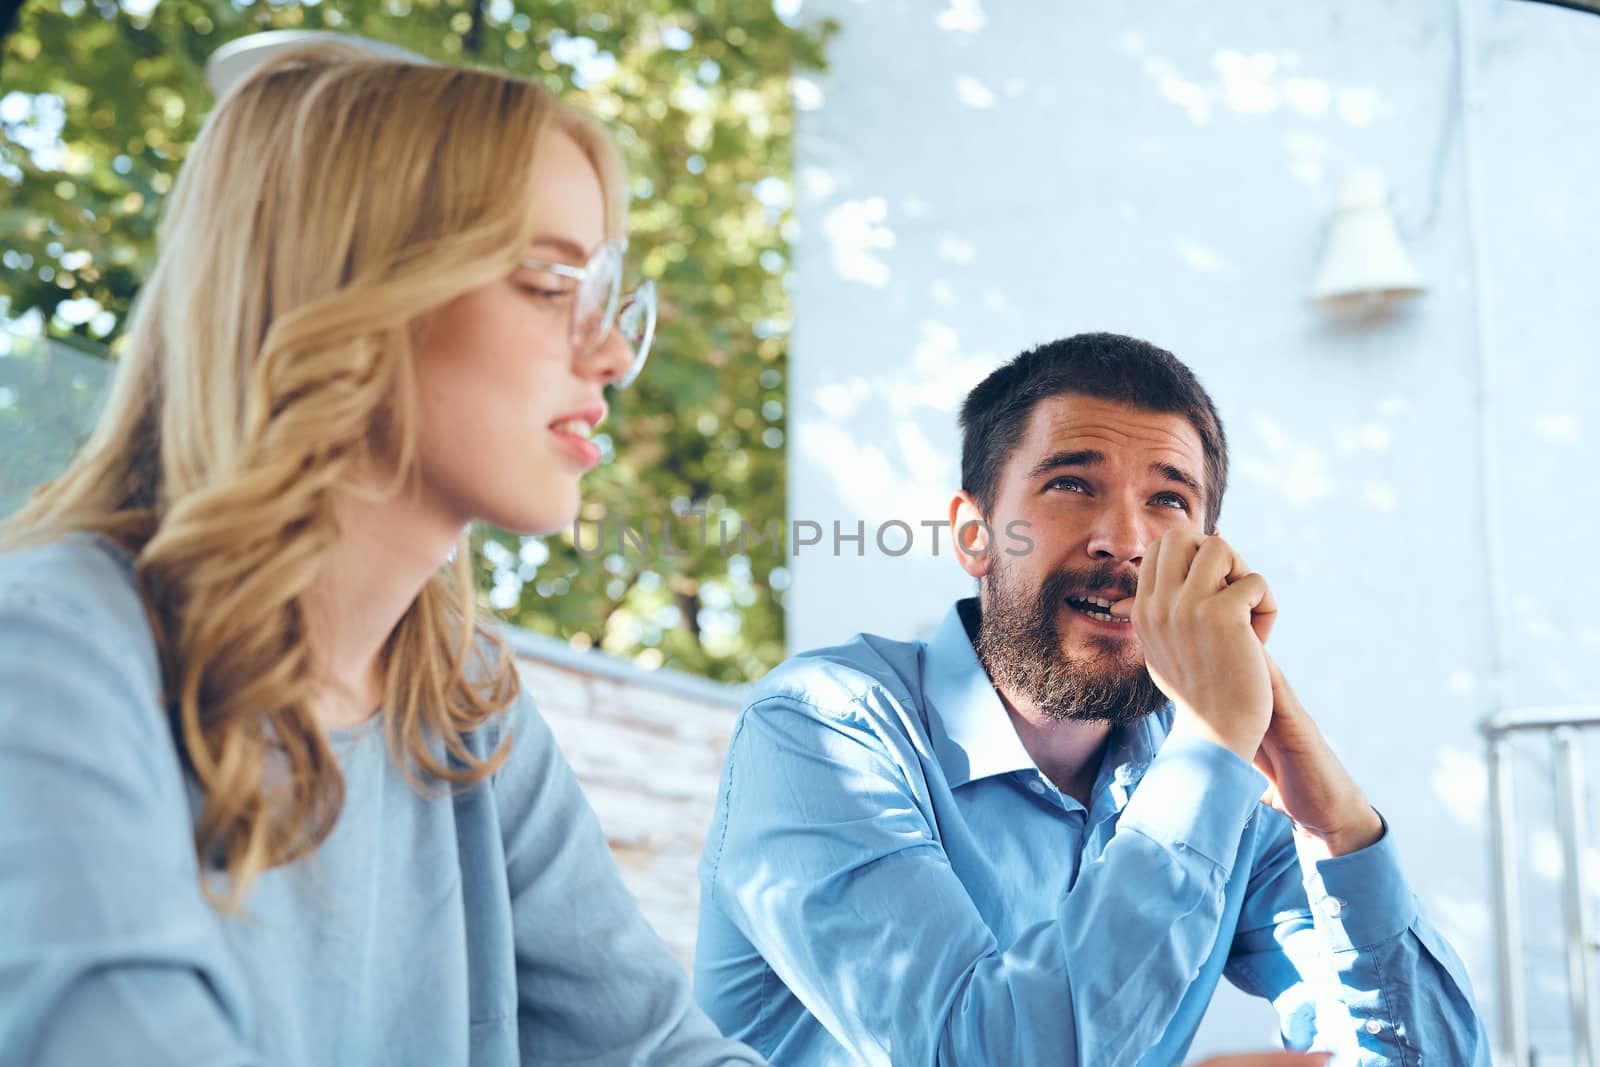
point(1365, 269)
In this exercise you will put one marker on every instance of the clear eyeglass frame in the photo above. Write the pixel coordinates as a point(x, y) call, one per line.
point(599, 304)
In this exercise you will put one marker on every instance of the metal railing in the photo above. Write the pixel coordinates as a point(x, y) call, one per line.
point(1562, 725)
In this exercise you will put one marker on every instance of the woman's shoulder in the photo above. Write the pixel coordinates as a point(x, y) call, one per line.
point(75, 566)
point(518, 724)
point(79, 588)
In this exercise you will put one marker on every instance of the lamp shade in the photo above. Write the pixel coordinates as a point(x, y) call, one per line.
point(1364, 266)
point(229, 65)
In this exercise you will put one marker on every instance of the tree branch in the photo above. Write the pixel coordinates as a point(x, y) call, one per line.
point(10, 12)
point(472, 40)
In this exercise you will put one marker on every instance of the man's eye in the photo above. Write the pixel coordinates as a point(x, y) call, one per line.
point(1172, 500)
point(1072, 485)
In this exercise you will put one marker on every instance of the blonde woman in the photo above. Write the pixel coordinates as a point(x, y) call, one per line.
point(267, 793)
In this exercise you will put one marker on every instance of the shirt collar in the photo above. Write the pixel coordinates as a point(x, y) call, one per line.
point(971, 730)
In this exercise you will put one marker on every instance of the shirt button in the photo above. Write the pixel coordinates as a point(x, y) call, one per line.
point(1037, 786)
point(1374, 1026)
point(1332, 906)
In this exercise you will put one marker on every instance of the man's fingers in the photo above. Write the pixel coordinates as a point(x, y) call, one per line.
point(1174, 560)
point(1253, 596)
point(1265, 614)
point(1283, 697)
point(1152, 557)
point(1272, 795)
point(1263, 763)
point(1279, 683)
point(1184, 562)
point(1262, 623)
point(1215, 564)
point(1145, 589)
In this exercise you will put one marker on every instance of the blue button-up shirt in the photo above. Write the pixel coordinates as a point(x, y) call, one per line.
point(889, 879)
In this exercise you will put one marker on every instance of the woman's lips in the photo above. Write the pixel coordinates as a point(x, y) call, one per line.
point(585, 451)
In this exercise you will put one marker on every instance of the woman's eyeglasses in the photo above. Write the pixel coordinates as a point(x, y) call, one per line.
point(599, 303)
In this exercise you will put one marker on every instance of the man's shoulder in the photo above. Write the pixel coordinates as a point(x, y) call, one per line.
point(838, 680)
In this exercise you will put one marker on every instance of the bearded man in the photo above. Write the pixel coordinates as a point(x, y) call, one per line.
point(1044, 836)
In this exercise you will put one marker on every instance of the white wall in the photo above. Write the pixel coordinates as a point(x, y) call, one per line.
point(977, 178)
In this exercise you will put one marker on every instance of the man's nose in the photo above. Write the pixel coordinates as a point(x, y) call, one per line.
point(1119, 535)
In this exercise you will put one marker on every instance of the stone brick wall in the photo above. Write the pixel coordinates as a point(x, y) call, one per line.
point(648, 748)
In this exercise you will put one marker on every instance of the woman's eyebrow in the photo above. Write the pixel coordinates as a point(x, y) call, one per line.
point(569, 250)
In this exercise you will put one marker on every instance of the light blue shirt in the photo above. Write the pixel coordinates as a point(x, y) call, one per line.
point(488, 930)
point(890, 880)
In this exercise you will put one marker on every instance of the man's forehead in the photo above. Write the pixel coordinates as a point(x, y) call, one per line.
point(1108, 426)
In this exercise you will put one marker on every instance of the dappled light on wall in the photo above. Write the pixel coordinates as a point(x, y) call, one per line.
point(857, 231)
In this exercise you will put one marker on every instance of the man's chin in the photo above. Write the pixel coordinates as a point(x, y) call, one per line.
point(1111, 684)
point(1119, 700)
point(1121, 647)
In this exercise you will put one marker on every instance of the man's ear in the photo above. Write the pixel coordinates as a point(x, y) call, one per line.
point(974, 540)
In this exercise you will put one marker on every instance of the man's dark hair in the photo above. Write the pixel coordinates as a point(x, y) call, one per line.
point(1108, 366)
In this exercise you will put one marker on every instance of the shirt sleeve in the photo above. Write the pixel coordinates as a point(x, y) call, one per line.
point(595, 985)
point(109, 952)
point(825, 856)
point(1341, 948)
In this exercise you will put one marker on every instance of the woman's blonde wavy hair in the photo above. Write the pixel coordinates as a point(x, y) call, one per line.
point(331, 201)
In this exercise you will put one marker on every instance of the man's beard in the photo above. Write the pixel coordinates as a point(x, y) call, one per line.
point(1019, 644)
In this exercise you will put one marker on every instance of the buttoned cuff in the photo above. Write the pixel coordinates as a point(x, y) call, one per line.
point(1196, 796)
point(1360, 899)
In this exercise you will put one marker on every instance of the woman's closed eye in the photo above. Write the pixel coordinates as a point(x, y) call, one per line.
point(545, 285)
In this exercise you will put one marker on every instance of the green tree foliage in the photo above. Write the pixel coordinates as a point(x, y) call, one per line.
point(98, 102)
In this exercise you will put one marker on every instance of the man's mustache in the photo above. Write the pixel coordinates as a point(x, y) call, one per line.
point(1102, 578)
